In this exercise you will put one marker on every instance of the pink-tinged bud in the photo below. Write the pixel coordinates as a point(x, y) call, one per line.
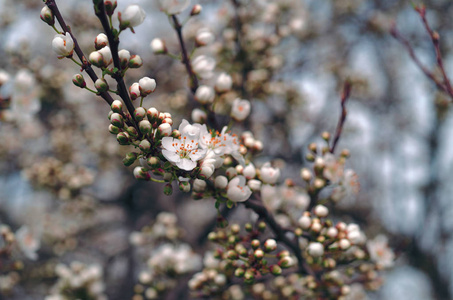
point(132, 131)
point(101, 41)
point(344, 244)
point(101, 85)
point(184, 186)
point(221, 182)
point(205, 94)
point(240, 109)
point(286, 262)
point(130, 158)
point(259, 254)
point(134, 91)
point(141, 173)
point(199, 185)
point(321, 211)
point(168, 120)
point(110, 7)
point(113, 129)
point(268, 174)
point(131, 17)
point(117, 106)
point(164, 129)
point(145, 127)
point(154, 162)
point(117, 120)
point(175, 134)
point(123, 138)
point(270, 245)
point(152, 114)
point(158, 46)
point(96, 59)
point(255, 244)
point(223, 83)
point(63, 45)
point(275, 270)
point(254, 184)
point(249, 171)
point(106, 55)
point(204, 37)
point(139, 113)
point(47, 16)
point(168, 189)
point(147, 86)
point(199, 116)
point(79, 81)
point(196, 10)
point(135, 62)
point(124, 56)
point(144, 145)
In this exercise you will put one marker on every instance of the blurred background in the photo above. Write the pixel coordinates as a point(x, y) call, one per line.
point(61, 172)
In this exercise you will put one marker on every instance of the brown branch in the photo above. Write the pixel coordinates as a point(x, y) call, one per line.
point(52, 5)
point(280, 234)
point(445, 84)
point(344, 98)
point(113, 43)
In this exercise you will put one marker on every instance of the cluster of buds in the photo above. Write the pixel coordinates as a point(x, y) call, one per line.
point(165, 228)
point(247, 256)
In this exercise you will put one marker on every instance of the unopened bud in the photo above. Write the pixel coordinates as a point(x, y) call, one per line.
point(275, 270)
point(255, 244)
point(122, 138)
point(286, 262)
point(147, 86)
point(199, 116)
point(139, 113)
point(144, 145)
point(132, 131)
point(154, 162)
point(79, 81)
point(117, 106)
point(270, 245)
point(101, 41)
point(141, 173)
point(130, 158)
point(135, 62)
point(47, 15)
point(306, 174)
point(101, 85)
point(113, 129)
point(239, 272)
point(259, 254)
point(196, 10)
point(145, 127)
point(117, 120)
point(124, 56)
point(164, 129)
point(134, 91)
point(152, 114)
point(110, 7)
point(168, 189)
point(158, 46)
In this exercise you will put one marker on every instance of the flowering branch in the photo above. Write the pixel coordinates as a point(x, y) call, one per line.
point(444, 84)
point(52, 5)
point(114, 42)
point(344, 98)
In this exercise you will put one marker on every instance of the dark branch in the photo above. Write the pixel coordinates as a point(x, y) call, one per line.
point(344, 98)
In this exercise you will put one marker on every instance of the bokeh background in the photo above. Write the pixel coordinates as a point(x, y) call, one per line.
point(61, 172)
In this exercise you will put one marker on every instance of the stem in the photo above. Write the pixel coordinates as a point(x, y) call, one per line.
point(344, 98)
point(79, 64)
point(87, 88)
point(85, 64)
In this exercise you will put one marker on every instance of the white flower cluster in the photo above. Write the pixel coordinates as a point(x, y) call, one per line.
point(78, 277)
point(169, 258)
point(165, 228)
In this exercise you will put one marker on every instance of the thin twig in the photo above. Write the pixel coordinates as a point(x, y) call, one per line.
point(344, 98)
point(52, 5)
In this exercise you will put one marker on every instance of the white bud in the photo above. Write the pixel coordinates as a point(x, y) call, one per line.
point(101, 41)
point(205, 94)
point(63, 45)
point(196, 10)
point(158, 46)
point(134, 90)
point(199, 116)
point(124, 56)
point(173, 7)
point(344, 244)
point(4, 76)
point(332, 232)
point(321, 211)
point(223, 83)
point(270, 245)
point(164, 129)
point(240, 109)
point(268, 174)
point(254, 184)
point(132, 16)
point(147, 85)
point(203, 65)
point(315, 249)
point(221, 182)
point(204, 37)
point(249, 171)
point(304, 222)
point(106, 56)
point(199, 185)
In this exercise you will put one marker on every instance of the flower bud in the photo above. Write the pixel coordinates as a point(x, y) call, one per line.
point(306, 174)
point(79, 81)
point(117, 106)
point(113, 129)
point(286, 262)
point(123, 138)
point(145, 127)
point(96, 59)
point(199, 116)
point(221, 182)
point(106, 56)
point(184, 186)
point(131, 17)
point(240, 109)
point(124, 56)
point(275, 270)
point(205, 94)
point(196, 10)
point(199, 185)
point(117, 120)
point(135, 62)
point(321, 211)
point(231, 254)
point(304, 222)
point(204, 37)
point(270, 245)
point(344, 244)
point(255, 244)
point(223, 83)
point(249, 171)
point(168, 189)
point(144, 145)
point(130, 158)
point(158, 46)
point(315, 249)
point(164, 129)
point(268, 174)
point(139, 113)
point(254, 184)
point(147, 86)
point(47, 15)
point(141, 173)
point(110, 7)
point(152, 114)
point(258, 254)
point(63, 45)
point(203, 66)
point(154, 162)
point(101, 85)
point(101, 41)
point(134, 91)
point(239, 272)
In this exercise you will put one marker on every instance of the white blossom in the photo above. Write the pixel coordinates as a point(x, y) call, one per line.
point(204, 37)
point(223, 83)
point(268, 174)
point(28, 243)
point(183, 151)
point(203, 65)
point(315, 249)
point(205, 94)
point(237, 190)
point(147, 85)
point(380, 251)
point(132, 16)
point(63, 45)
point(158, 46)
point(173, 7)
point(240, 109)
